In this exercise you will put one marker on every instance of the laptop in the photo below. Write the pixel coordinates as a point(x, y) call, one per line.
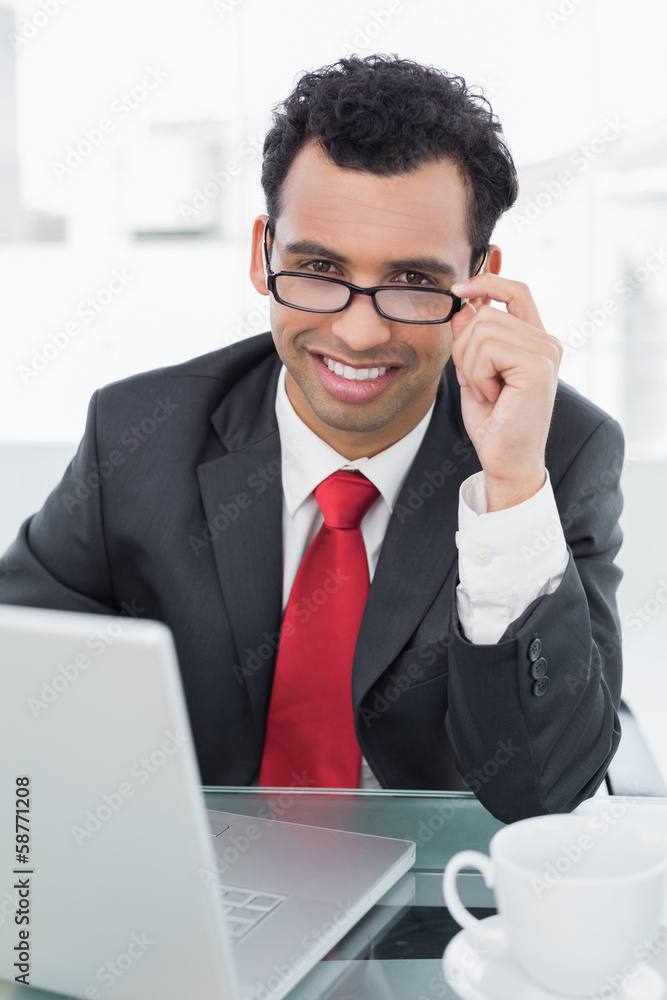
point(115, 881)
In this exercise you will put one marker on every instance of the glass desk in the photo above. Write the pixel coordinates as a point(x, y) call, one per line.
point(395, 952)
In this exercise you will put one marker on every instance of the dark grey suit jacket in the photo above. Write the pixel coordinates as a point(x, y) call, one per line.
point(171, 509)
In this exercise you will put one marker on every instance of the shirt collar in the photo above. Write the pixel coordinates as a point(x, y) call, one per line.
point(307, 460)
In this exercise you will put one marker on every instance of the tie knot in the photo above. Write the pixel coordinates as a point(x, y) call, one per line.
point(344, 498)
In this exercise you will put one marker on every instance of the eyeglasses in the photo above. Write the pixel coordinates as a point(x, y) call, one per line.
point(312, 293)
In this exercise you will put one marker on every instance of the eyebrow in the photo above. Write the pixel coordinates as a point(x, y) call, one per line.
point(430, 264)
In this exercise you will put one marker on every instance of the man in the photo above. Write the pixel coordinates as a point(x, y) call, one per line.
point(486, 651)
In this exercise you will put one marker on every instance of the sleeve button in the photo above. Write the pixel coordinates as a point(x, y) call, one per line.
point(534, 650)
point(538, 668)
point(540, 687)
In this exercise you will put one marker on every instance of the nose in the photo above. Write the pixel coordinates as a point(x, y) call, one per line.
point(360, 324)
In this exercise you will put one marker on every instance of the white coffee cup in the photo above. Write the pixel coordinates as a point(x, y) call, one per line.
point(579, 897)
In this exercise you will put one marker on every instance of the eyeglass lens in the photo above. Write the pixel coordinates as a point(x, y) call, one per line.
point(396, 303)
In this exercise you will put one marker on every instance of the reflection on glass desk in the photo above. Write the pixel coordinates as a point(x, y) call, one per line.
point(396, 949)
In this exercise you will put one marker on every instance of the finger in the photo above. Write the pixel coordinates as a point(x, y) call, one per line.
point(459, 322)
point(470, 387)
point(515, 295)
point(511, 346)
point(484, 382)
point(461, 319)
point(497, 364)
point(474, 327)
point(491, 322)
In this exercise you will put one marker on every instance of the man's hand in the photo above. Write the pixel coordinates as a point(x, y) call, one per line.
point(507, 366)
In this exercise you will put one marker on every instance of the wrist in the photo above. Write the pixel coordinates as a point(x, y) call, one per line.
point(503, 493)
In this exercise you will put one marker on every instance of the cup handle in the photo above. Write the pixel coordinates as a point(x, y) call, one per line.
point(467, 859)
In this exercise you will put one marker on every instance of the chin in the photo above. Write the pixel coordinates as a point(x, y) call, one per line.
point(362, 418)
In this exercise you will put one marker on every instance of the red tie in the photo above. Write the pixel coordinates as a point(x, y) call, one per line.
point(311, 725)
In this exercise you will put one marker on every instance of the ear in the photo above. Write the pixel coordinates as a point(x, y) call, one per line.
point(257, 274)
point(493, 264)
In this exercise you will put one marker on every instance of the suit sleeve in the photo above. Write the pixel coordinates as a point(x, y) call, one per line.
point(532, 739)
point(59, 558)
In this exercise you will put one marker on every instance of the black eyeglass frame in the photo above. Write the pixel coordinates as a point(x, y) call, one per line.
point(271, 276)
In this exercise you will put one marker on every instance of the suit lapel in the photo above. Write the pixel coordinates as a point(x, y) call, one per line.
point(419, 547)
point(242, 497)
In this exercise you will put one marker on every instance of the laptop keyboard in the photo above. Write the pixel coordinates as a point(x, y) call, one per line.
point(245, 908)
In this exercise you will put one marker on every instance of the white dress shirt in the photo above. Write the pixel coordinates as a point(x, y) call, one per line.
point(506, 559)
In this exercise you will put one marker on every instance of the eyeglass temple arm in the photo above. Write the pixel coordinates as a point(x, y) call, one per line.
point(267, 266)
point(478, 271)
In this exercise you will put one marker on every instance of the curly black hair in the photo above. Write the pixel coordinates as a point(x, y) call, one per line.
point(389, 116)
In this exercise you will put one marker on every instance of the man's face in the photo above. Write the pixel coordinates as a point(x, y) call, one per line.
point(369, 230)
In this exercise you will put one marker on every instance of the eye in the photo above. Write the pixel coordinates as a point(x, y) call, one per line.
point(317, 266)
point(414, 278)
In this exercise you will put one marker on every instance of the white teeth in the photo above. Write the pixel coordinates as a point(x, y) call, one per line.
point(354, 374)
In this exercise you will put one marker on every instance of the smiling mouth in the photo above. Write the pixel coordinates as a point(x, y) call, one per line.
point(354, 374)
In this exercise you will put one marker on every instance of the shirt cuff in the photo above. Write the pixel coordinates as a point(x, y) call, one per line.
point(507, 558)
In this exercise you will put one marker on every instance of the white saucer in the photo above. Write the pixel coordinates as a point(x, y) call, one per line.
point(477, 969)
